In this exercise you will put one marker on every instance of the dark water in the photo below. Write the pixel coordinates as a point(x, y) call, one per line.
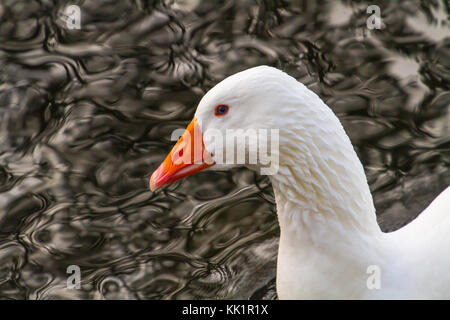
point(86, 116)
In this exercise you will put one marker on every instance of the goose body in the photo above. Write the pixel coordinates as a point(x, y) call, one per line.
point(331, 246)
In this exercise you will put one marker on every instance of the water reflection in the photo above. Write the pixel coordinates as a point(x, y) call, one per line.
point(86, 116)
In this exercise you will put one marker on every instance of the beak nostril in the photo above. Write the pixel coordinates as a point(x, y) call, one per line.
point(177, 165)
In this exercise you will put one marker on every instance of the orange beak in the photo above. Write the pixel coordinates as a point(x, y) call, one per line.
point(187, 157)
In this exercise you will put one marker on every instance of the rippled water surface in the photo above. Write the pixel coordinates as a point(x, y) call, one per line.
point(86, 116)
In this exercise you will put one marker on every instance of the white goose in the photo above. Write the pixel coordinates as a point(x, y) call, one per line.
point(331, 246)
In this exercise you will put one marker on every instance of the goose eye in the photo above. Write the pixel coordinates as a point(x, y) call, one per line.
point(221, 110)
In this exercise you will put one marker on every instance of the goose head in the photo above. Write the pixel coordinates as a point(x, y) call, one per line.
point(237, 123)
